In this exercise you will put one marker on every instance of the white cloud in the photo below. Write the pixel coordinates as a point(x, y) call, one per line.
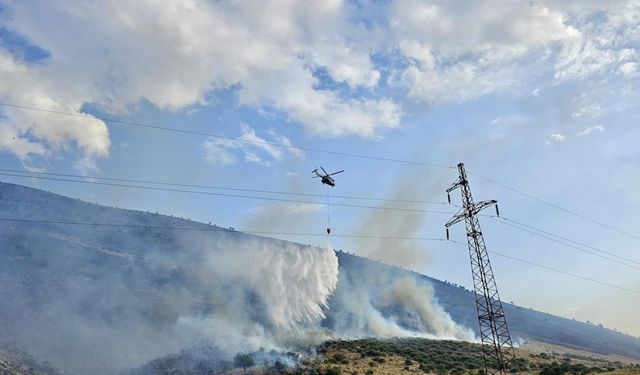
point(251, 157)
point(286, 143)
point(30, 133)
point(590, 130)
point(172, 53)
point(323, 112)
point(605, 45)
point(629, 69)
point(216, 152)
point(503, 44)
point(220, 151)
point(418, 51)
point(555, 138)
point(454, 63)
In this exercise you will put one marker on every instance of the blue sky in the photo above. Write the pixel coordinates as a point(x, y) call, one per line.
point(541, 96)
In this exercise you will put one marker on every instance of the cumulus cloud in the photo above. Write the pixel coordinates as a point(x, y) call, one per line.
point(279, 55)
point(172, 54)
point(603, 45)
point(37, 133)
point(452, 63)
point(221, 151)
point(503, 44)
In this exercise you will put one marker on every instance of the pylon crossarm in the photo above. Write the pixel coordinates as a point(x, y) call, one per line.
point(454, 186)
point(482, 205)
point(461, 215)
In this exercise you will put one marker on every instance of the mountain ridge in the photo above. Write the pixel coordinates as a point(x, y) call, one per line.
point(155, 286)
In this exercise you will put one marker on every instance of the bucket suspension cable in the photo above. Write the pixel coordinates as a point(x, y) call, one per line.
point(328, 213)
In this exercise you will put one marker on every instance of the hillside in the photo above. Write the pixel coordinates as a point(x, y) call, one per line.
point(391, 356)
point(398, 356)
point(524, 323)
point(104, 299)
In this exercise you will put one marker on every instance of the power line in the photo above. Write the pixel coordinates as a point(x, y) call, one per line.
point(353, 155)
point(207, 228)
point(358, 206)
point(171, 129)
point(213, 135)
point(564, 239)
point(339, 153)
point(566, 244)
point(555, 206)
point(350, 197)
point(555, 270)
point(230, 195)
point(164, 183)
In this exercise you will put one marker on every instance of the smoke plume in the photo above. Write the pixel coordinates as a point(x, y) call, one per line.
point(408, 253)
point(378, 301)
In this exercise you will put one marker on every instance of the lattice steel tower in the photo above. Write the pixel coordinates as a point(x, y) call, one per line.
point(497, 348)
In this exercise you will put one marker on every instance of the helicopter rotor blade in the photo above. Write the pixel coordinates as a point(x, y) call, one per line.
point(325, 172)
point(336, 172)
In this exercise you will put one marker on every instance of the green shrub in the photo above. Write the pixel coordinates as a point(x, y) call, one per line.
point(339, 358)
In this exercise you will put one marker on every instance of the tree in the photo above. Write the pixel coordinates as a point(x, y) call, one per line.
point(243, 360)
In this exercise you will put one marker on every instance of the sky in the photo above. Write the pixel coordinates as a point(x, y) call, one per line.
point(538, 96)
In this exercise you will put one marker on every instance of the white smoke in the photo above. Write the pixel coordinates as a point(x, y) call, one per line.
point(386, 302)
point(401, 250)
point(275, 294)
point(419, 299)
point(376, 301)
point(264, 293)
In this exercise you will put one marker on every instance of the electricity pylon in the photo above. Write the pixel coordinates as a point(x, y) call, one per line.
point(497, 348)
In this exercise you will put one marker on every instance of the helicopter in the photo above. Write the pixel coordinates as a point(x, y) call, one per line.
point(325, 176)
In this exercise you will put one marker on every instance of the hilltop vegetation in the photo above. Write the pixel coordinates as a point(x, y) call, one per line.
point(413, 355)
point(395, 356)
